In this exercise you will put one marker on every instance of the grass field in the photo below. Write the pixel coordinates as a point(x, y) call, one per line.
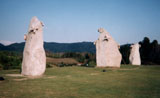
point(83, 82)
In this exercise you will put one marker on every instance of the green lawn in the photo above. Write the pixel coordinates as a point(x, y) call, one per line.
point(83, 82)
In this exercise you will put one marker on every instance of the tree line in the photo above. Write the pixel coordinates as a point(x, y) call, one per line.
point(149, 52)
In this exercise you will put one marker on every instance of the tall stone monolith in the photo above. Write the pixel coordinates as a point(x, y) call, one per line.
point(34, 58)
point(107, 50)
point(134, 57)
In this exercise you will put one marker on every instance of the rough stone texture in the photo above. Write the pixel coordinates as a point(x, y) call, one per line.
point(34, 58)
point(107, 50)
point(134, 57)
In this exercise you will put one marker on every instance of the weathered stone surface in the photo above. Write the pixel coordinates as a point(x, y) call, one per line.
point(107, 50)
point(134, 57)
point(34, 58)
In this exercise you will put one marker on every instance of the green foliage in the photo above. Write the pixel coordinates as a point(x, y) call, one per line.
point(150, 51)
point(83, 58)
point(49, 65)
point(1, 67)
point(125, 51)
point(92, 64)
point(65, 65)
point(10, 60)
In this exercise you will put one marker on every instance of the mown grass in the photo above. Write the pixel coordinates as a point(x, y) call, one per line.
point(83, 82)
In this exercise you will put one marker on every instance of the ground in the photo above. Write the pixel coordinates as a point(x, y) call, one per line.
point(60, 60)
point(84, 82)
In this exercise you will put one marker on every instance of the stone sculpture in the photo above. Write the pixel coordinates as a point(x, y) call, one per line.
point(107, 50)
point(34, 58)
point(134, 57)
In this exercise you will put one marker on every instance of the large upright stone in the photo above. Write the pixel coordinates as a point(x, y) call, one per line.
point(107, 50)
point(134, 57)
point(34, 58)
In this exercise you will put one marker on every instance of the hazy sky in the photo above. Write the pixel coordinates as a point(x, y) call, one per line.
point(128, 21)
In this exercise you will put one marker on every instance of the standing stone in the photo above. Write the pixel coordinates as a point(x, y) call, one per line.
point(134, 57)
point(34, 58)
point(107, 50)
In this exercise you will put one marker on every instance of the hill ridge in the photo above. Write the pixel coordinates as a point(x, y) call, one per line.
point(55, 47)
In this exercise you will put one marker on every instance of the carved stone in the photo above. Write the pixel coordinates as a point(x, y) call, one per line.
point(34, 58)
point(134, 57)
point(107, 50)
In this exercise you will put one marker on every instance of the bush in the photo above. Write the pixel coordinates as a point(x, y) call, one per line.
point(65, 65)
point(92, 64)
point(49, 65)
point(10, 60)
point(1, 67)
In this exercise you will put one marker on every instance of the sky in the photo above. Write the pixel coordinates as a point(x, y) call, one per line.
point(67, 21)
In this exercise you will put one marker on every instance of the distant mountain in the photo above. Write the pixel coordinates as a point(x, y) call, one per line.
point(6, 43)
point(70, 47)
point(13, 47)
point(55, 47)
point(1, 45)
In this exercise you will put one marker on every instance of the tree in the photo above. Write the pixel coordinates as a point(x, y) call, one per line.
point(145, 48)
point(125, 51)
point(153, 55)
